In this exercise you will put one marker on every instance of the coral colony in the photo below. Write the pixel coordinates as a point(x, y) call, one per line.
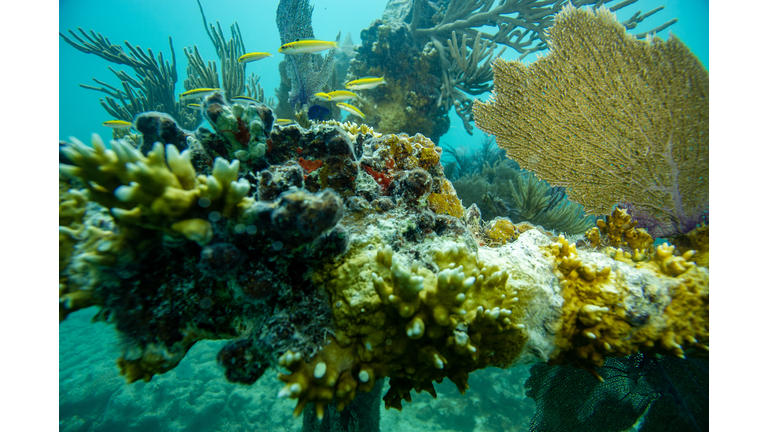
point(339, 253)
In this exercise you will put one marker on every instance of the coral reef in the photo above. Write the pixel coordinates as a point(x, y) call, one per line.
point(341, 256)
point(154, 89)
point(408, 102)
point(446, 45)
point(503, 190)
point(607, 150)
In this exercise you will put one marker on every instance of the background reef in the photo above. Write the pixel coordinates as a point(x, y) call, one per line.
point(187, 30)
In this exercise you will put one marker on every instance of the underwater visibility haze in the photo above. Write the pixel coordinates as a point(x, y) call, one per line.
point(402, 215)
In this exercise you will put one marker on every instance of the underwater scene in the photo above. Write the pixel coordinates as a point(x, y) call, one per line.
point(390, 215)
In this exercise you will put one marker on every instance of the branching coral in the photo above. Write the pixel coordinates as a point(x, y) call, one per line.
point(154, 90)
point(150, 192)
point(626, 123)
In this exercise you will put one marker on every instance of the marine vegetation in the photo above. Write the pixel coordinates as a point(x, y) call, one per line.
point(504, 190)
point(449, 47)
point(466, 162)
point(498, 188)
point(153, 88)
point(643, 143)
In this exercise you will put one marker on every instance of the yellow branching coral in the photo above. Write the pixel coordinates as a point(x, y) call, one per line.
point(618, 230)
point(160, 190)
point(612, 118)
point(397, 318)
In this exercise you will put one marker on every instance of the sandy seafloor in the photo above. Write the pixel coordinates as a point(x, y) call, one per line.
point(196, 397)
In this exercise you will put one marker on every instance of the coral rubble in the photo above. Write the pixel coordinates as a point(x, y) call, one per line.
point(342, 256)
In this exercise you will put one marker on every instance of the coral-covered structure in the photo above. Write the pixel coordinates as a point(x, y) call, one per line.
point(341, 256)
point(612, 118)
point(436, 55)
point(408, 103)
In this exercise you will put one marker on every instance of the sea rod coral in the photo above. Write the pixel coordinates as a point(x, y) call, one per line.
point(341, 256)
point(611, 118)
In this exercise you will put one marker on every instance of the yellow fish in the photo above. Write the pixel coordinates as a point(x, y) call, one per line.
point(341, 95)
point(195, 106)
point(246, 58)
point(244, 100)
point(283, 122)
point(306, 46)
point(365, 83)
point(350, 109)
point(118, 124)
point(198, 93)
point(323, 96)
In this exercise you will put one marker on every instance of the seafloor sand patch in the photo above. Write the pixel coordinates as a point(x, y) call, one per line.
point(196, 397)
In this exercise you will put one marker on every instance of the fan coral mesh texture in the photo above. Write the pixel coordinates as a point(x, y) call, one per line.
point(612, 118)
point(671, 392)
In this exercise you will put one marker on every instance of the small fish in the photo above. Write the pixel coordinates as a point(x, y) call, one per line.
point(118, 124)
point(341, 95)
point(350, 109)
point(245, 100)
point(323, 96)
point(365, 83)
point(306, 46)
point(283, 122)
point(195, 106)
point(317, 112)
point(198, 93)
point(247, 58)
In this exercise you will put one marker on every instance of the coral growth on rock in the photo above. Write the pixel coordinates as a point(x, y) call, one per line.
point(341, 256)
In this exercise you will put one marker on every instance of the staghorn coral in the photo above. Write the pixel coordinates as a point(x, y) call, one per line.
point(579, 119)
point(338, 282)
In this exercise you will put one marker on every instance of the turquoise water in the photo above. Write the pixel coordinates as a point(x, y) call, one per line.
point(148, 24)
point(195, 395)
